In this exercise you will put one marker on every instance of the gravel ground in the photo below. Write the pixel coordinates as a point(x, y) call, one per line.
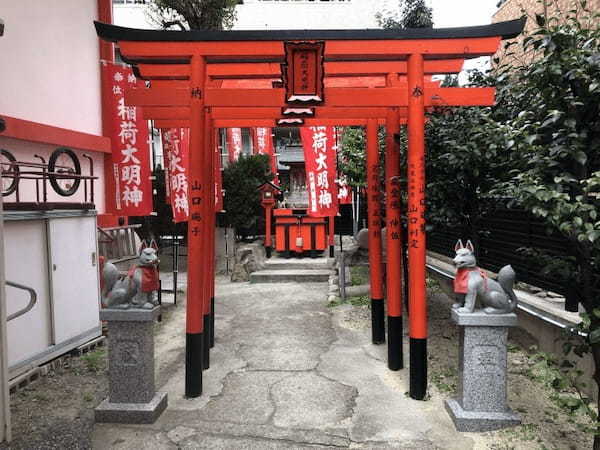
point(57, 412)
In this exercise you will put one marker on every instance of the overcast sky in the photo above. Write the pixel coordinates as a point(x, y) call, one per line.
point(456, 13)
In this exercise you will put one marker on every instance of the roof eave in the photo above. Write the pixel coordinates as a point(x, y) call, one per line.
point(506, 30)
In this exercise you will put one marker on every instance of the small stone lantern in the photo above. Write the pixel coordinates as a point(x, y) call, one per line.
point(269, 194)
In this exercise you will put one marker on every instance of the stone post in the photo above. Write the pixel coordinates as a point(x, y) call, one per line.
point(482, 393)
point(131, 394)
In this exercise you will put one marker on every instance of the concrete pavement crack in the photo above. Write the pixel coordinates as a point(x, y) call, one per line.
point(290, 441)
point(272, 399)
point(364, 349)
point(278, 370)
point(351, 408)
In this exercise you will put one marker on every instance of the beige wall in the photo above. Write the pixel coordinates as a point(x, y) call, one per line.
point(513, 9)
point(49, 71)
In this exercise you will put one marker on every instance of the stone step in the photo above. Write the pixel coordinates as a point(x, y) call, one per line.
point(287, 276)
point(296, 264)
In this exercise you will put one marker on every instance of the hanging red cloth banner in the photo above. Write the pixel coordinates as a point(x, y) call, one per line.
point(262, 141)
point(130, 144)
point(344, 191)
point(176, 145)
point(234, 143)
point(320, 161)
point(262, 144)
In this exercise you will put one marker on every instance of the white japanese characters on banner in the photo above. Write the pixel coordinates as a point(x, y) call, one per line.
point(234, 143)
point(262, 144)
point(130, 144)
point(321, 170)
point(344, 191)
point(176, 145)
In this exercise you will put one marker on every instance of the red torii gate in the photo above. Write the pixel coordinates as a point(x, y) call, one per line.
point(191, 70)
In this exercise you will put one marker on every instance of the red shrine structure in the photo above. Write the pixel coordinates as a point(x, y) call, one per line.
point(337, 77)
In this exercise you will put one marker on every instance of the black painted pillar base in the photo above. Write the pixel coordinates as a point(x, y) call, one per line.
point(193, 364)
point(206, 346)
point(287, 254)
point(377, 321)
point(418, 368)
point(331, 251)
point(212, 322)
point(269, 251)
point(395, 350)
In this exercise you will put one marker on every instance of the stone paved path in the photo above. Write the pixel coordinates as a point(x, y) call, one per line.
point(286, 372)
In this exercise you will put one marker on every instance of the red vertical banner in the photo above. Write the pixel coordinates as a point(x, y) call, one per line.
point(130, 144)
point(344, 191)
point(176, 144)
point(234, 143)
point(320, 160)
point(262, 143)
point(218, 175)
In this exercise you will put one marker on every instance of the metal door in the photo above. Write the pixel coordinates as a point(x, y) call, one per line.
point(26, 251)
point(74, 274)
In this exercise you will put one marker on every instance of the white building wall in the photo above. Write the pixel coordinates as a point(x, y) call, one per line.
point(49, 70)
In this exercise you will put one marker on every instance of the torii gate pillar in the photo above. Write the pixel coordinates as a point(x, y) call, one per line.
point(394, 241)
point(197, 190)
point(417, 293)
point(206, 268)
point(375, 247)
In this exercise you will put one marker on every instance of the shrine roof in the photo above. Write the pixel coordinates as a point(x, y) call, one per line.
point(272, 185)
point(291, 155)
point(506, 30)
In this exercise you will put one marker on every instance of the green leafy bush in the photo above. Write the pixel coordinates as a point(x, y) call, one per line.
point(242, 205)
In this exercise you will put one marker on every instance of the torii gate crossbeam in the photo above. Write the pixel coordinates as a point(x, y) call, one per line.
point(225, 71)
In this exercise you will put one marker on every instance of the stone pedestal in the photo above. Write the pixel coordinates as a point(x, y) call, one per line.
point(481, 404)
point(131, 397)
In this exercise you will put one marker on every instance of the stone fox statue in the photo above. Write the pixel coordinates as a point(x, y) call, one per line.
point(138, 289)
point(472, 283)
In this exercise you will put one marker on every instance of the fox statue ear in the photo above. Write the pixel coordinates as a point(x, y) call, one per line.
point(458, 245)
point(143, 245)
point(470, 246)
point(153, 244)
